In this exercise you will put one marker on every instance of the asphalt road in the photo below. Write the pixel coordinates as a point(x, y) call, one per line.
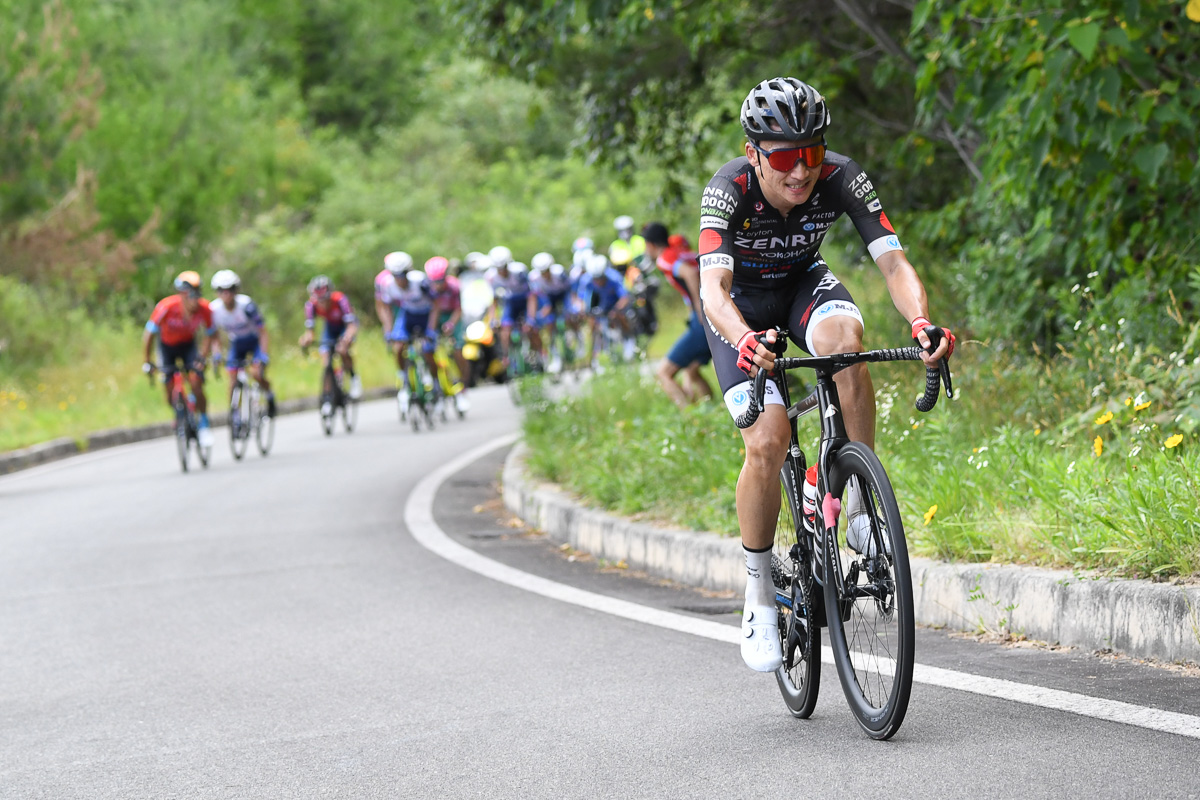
point(272, 629)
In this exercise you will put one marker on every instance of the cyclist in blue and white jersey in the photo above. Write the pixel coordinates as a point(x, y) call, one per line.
point(550, 286)
point(403, 303)
point(237, 316)
point(602, 294)
point(510, 282)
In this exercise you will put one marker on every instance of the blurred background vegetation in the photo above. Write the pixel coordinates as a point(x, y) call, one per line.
point(1039, 158)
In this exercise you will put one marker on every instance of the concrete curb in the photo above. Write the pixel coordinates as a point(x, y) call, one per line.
point(66, 447)
point(1142, 619)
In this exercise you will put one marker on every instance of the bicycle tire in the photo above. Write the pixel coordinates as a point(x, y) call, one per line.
point(239, 421)
point(203, 454)
point(264, 429)
point(350, 415)
point(181, 435)
point(799, 678)
point(328, 406)
point(874, 658)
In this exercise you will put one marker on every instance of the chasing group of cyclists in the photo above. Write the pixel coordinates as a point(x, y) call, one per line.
point(417, 308)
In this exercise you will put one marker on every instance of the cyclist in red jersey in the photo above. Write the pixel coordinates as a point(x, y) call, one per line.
point(762, 219)
point(676, 259)
point(175, 321)
point(340, 326)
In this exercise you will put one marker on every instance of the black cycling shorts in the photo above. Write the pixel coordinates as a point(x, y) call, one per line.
point(817, 296)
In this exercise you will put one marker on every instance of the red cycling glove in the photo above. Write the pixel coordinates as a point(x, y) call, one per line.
point(746, 347)
point(920, 323)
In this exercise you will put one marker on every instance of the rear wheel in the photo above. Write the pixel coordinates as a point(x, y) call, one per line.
point(264, 429)
point(349, 414)
point(202, 453)
point(181, 434)
point(873, 635)
point(240, 420)
point(327, 402)
point(799, 678)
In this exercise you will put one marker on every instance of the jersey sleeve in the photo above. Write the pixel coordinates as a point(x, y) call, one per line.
point(863, 207)
point(309, 311)
point(347, 310)
point(720, 213)
point(158, 315)
point(254, 315)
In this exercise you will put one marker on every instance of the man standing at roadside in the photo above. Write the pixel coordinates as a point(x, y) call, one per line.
point(677, 262)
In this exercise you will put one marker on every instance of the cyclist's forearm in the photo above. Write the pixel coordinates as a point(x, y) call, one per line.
point(906, 289)
point(720, 310)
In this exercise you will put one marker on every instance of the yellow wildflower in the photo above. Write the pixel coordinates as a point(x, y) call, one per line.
point(1037, 431)
point(1104, 418)
point(1128, 401)
point(929, 514)
point(1193, 10)
point(1174, 441)
point(1142, 406)
point(1098, 445)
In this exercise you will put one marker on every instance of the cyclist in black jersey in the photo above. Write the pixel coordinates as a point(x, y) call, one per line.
point(762, 219)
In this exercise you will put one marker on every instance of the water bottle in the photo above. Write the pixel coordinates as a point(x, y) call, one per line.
point(809, 501)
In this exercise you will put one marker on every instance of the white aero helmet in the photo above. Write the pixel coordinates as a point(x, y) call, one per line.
point(226, 279)
point(500, 255)
point(541, 261)
point(517, 268)
point(623, 223)
point(415, 277)
point(477, 260)
point(398, 263)
point(597, 264)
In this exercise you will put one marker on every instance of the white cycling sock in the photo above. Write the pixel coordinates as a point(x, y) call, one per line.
point(760, 590)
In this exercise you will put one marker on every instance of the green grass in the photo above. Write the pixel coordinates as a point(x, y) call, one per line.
point(1009, 472)
point(103, 386)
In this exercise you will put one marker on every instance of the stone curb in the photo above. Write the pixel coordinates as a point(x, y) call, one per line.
point(56, 449)
point(1142, 619)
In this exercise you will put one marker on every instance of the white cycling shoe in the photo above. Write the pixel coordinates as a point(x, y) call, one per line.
point(760, 639)
point(858, 536)
point(355, 388)
point(461, 403)
point(402, 401)
point(205, 437)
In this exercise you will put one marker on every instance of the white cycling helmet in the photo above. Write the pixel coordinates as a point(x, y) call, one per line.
point(516, 268)
point(477, 260)
point(581, 257)
point(415, 277)
point(582, 243)
point(541, 261)
point(398, 262)
point(500, 255)
point(597, 265)
point(226, 279)
point(623, 223)
point(556, 270)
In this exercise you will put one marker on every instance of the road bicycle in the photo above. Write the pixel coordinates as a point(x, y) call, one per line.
point(248, 416)
point(449, 377)
point(565, 348)
point(522, 362)
point(187, 420)
point(335, 399)
point(864, 599)
point(421, 404)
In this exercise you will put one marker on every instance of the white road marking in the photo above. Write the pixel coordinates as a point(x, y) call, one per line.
point(418, 517)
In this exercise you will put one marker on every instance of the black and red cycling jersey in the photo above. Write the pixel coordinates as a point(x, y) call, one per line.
point(742, 232)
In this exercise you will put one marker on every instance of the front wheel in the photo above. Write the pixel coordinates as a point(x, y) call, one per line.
point(181, 435)
point(799, 678)
point(868, 594)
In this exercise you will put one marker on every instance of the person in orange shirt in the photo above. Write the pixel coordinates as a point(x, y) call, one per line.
point(176, 321)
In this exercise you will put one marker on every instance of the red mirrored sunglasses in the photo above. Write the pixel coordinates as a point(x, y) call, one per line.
point(786, 159)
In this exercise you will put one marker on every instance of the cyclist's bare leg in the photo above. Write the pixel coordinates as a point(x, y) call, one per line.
point(694, 384)
point(855, 390)
point(665, 373)
point(757, 495)
point(348, 361)
point(198, 392)
point(431, 362)
point(258, 371)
